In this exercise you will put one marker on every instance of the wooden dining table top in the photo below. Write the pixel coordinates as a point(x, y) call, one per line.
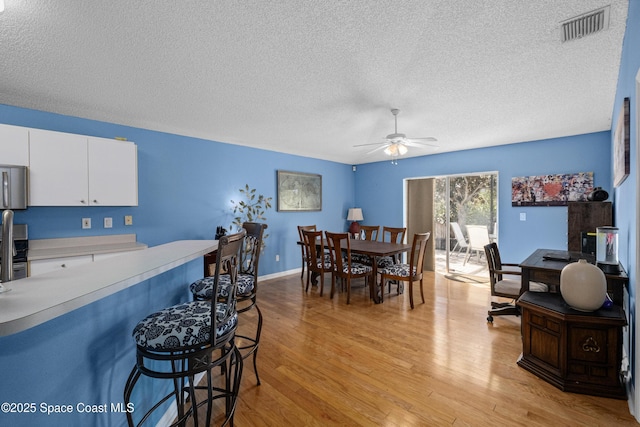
point(375, 248)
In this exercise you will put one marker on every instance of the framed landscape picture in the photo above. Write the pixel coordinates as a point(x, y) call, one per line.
point(298, 191)
point(622, 146)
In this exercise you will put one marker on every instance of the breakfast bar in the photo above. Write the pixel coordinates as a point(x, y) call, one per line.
point(65, 336)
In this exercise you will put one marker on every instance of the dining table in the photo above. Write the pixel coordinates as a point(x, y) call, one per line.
point(376, 250)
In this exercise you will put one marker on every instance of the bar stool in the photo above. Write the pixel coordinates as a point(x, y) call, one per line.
point(247, 290)
point(186, 339)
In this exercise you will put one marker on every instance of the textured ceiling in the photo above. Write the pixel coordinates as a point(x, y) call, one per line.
point(315, 78)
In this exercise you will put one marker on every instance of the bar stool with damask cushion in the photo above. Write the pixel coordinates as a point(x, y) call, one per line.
point(190, 338)
point(247, 292)
point(318, 262)
point(411, 272)
point(342, 266)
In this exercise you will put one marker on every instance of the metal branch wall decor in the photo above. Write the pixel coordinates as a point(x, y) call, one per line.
point(551, 190)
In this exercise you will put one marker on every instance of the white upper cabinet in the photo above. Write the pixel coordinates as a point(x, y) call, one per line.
point(113, 172)
point(14, 145)
point(76, 170)
point(58, 169)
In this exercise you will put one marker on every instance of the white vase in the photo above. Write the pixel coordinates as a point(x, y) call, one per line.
point(583, 286)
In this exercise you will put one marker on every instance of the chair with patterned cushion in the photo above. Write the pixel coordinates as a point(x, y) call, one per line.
point(342, 265)
point(370, 232)
point(411, 272)
point(192, 338)
point(506, 282)
point(301, 228)
point(318, 261)
point(247, 292)
point(391, 235)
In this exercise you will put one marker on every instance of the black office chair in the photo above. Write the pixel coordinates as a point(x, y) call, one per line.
point(505, 282)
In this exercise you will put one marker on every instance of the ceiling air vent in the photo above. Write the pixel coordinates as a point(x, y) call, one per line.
point(583, 25)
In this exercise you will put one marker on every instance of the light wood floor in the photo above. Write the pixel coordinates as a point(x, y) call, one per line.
point(323, 363)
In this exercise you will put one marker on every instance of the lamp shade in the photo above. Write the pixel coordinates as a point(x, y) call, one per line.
point(355, 214)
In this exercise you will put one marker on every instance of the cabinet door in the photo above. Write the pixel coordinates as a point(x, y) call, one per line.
point(43, 266)
point(113, 172)
point(14, 145)
point(58, 169)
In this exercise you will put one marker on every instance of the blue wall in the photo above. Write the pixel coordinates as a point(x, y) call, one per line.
point(379, 186)
point(626, 195)
point(85, 356)
point(185, 188)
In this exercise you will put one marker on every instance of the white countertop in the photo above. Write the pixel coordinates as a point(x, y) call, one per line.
point(37, 299)
point(76, 246)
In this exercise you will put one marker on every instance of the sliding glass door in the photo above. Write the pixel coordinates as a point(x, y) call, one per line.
point(465, 219)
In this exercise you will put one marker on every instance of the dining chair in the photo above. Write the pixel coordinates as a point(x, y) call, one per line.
point(342, 265)
point(478, 239)
point(370, 232)
point(408, 272)
point(505, 280)
point(317, 261)
point(391, 235)
point(302, 248)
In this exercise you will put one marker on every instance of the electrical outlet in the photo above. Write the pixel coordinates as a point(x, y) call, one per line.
point(523, 216)
point(277, 258)
point(128, 220)
point(86, 223)
point(108, 222)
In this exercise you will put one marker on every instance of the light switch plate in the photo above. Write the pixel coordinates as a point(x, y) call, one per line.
point(108, 222)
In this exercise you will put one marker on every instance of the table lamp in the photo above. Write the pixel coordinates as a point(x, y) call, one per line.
point(355, 215)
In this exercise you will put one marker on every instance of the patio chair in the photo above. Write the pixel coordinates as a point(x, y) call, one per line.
point(478, 239)
point(461, 241)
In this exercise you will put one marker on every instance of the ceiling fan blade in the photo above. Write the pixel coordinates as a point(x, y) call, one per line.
point(372, 143)
point(382, 147)
point(428, 138)
point(418, 144)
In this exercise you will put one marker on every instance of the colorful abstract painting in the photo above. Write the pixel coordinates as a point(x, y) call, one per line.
point(551, 190)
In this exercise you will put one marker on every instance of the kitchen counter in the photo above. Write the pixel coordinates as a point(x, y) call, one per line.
point(77, 246)
point(35, 300)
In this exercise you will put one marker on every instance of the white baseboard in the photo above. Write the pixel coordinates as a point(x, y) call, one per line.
point(279, 274)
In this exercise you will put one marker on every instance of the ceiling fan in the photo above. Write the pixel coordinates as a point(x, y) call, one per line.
point(395, 144)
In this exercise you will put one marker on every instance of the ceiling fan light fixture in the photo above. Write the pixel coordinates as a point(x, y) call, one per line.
point(396, 149)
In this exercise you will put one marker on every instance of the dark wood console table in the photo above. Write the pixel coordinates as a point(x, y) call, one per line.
point(537, 269)
point(575, 351)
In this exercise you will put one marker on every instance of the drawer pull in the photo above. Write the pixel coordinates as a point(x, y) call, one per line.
point(591, 346)
point(64, 266)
